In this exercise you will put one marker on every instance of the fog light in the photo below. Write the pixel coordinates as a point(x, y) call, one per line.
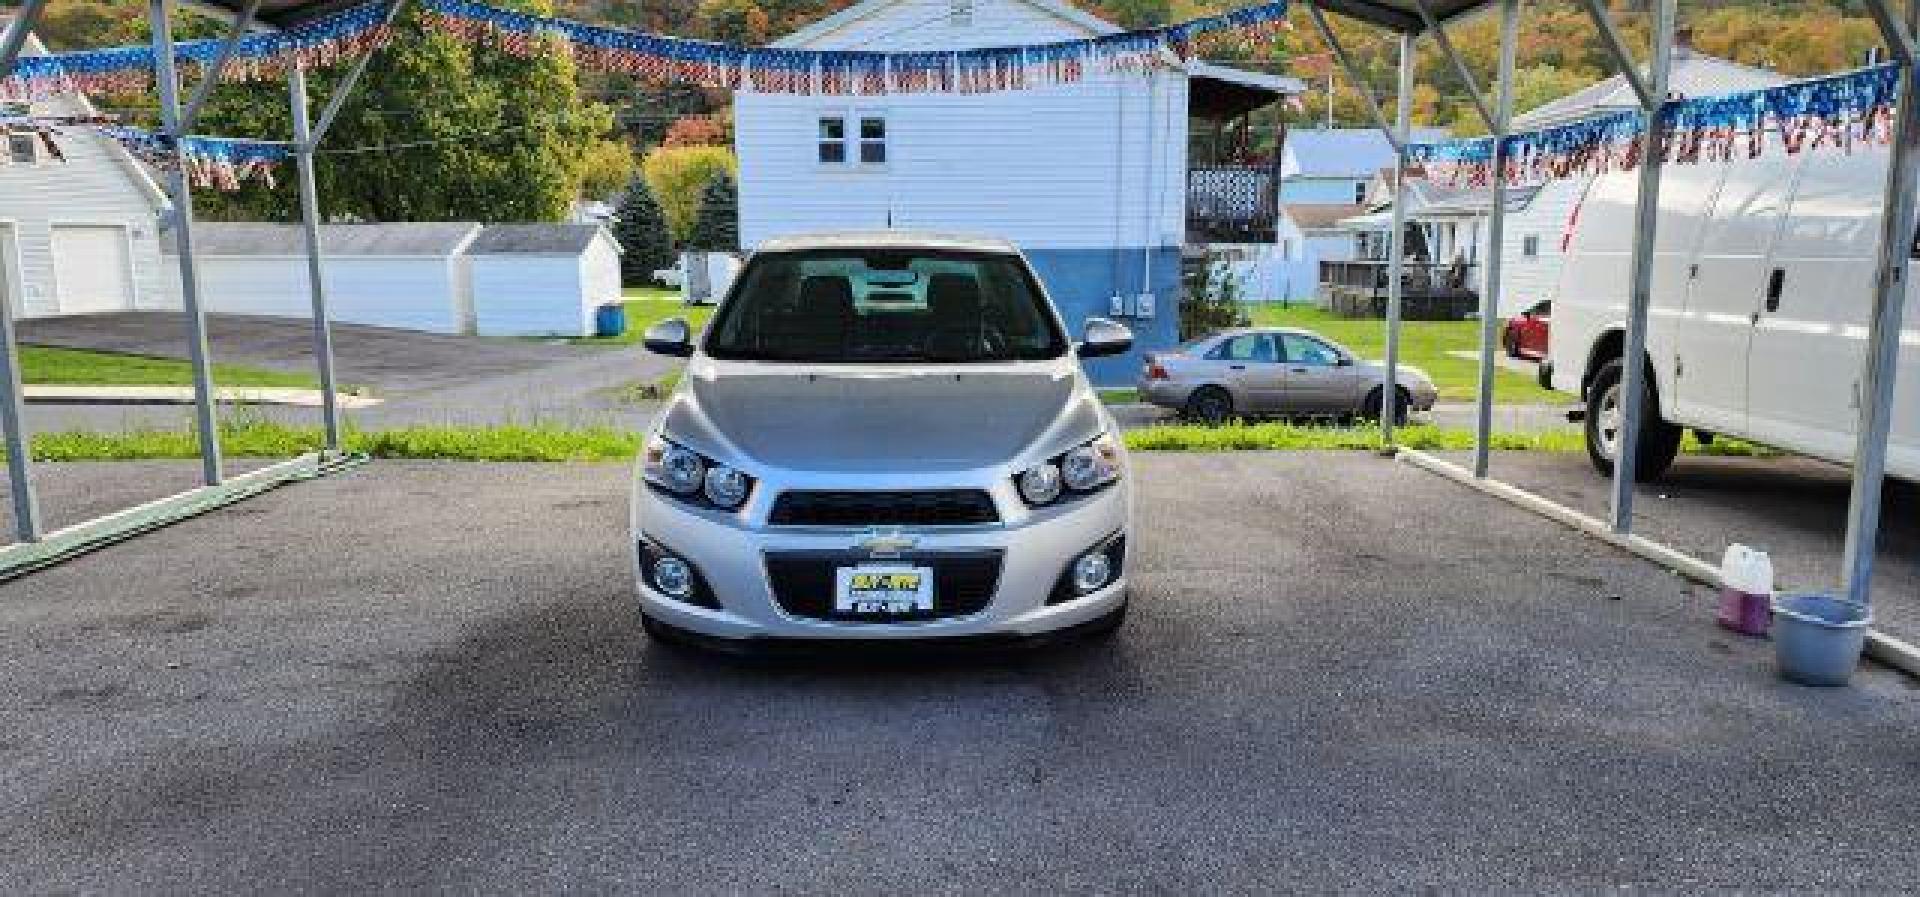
point(1091, 572)
point(672, 576)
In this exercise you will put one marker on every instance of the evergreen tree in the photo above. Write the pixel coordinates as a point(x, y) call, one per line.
point(642, 232)
point(717, 229)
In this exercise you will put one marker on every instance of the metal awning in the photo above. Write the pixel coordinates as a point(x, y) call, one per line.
point(1403, 15)
point(274, 15)
point(1219, 92)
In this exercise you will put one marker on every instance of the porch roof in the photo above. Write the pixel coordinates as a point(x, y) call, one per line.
point(1219, 92)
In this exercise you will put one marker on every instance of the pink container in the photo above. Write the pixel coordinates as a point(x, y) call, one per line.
point(1744, 612)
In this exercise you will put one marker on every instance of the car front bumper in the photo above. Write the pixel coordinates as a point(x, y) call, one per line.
point(733, 560)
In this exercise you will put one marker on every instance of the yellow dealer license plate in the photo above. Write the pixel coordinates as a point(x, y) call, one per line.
point(883, 590)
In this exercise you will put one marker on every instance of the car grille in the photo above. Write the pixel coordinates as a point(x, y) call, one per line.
point(932, 507)
point(803, 582)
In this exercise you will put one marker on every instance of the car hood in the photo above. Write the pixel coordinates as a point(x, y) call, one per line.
point(863, 418)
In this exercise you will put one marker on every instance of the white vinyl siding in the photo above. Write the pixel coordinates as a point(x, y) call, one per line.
point(977, 163)
point(414, 293)
point(1093, 165)
point(525, 294)
point(1528, 277)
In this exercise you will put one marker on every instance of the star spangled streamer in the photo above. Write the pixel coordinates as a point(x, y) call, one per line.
point(256, 57)
point(1836, 112)
point(663, 59)
point(219, 163)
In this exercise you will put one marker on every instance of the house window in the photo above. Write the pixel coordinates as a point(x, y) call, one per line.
point(22, 149)
point(833, 141)
point(1359, 192)
point(960, 13)
point(873, 140)
point(1530, 245)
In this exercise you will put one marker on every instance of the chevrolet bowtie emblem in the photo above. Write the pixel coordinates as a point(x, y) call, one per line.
point(887, 542)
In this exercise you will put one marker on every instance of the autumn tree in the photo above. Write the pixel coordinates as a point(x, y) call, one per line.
point(679, 175)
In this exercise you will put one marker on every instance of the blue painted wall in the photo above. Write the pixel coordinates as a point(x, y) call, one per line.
point(1081, 283)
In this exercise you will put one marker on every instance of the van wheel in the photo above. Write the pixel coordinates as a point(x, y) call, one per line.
point(1606, 414)
point(1370, 409)
point(1210, 405)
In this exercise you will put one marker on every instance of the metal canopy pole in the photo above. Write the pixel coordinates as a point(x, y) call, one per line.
point(1396, 257)
point(24, 21)
point(303, 148)
point(13, 418)
point(1881, 366)
point(203, 396)
point(1496, 238)
point(1634, 392)
point(210, 78)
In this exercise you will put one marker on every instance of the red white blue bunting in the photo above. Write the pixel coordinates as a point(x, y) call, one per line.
point(257, 57)
point(218, 163)
point(1838, 112)
point(661, 59)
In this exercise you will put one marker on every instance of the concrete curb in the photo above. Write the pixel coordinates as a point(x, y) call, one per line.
point(54, 394)
point(1880, 646)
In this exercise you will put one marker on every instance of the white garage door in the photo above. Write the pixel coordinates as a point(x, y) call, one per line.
point(90, 269)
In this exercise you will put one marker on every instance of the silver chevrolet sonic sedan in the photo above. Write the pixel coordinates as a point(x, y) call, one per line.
point(882, 437)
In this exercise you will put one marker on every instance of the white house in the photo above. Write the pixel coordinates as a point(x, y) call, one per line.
point(78, 235)
point(1325, 174)
point(1089, 179)
point(537, 279)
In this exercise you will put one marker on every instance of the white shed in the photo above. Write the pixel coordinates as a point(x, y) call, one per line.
point(542, 279)
point(79, 231)
point(408, 275)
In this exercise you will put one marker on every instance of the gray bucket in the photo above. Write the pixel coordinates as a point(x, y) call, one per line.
point(1817, 638)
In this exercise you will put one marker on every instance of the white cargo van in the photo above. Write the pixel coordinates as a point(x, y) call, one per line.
point(1762, 287)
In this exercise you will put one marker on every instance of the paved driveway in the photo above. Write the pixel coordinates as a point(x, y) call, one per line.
point(424, 377)
point(1342, 673)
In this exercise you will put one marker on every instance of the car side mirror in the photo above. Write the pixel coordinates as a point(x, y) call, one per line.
point(670, 337)
point(1104, 337)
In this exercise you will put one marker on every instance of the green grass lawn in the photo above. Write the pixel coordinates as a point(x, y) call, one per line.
point(647, 306)
point(1423, 344)
point(267, 439)
point(82, 367)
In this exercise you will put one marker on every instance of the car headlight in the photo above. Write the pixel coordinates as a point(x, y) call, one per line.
point(687, 474)
point(1085, 468)
point(1040, 484)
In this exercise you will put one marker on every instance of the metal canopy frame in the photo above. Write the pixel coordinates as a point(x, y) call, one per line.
point(36, 548)
point(1415, 19)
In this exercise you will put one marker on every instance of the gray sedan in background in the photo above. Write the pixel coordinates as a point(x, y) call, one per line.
point(1275, 372)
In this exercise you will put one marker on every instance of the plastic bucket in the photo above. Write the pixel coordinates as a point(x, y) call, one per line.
point(610, 320)
point(1817, 638)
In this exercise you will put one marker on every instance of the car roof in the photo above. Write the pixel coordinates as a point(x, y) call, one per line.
point(890, 239)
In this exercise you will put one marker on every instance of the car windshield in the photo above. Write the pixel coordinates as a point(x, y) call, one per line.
point(852, 305)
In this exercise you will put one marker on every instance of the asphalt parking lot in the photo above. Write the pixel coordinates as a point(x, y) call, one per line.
point(1341, 673)
point(1793, 508)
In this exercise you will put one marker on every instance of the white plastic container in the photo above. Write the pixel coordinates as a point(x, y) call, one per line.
point(1746, 590)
